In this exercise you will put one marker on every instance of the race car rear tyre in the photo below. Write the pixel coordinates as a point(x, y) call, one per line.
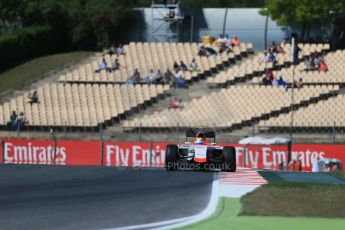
point(171, 157)
point(229, 153)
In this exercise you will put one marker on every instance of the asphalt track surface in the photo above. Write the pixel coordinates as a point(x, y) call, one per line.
point(61, 197)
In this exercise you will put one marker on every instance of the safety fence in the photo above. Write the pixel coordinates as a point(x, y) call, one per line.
point(152, 154)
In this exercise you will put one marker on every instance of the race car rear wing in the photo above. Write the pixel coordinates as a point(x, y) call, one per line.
point(190, 132)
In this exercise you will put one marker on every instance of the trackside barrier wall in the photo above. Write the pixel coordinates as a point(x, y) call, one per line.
point(146, 154)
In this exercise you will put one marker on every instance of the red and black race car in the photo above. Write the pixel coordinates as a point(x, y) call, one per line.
point(200, 153)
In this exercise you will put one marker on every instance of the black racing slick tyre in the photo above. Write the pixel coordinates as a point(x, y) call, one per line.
point(171, 157)
point(229, 153)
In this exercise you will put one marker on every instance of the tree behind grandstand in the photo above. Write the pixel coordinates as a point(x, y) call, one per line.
point(302, 12)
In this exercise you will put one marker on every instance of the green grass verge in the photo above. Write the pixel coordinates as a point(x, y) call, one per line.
point(34, 70)
point(227, 217)
point(340, 174)
point(296, 199)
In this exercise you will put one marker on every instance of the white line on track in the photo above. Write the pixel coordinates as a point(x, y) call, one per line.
point(176, 223)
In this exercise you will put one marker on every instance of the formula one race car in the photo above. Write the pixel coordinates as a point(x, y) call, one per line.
point(200, 153)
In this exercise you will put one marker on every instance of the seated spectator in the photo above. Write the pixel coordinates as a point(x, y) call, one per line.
point(323, 66)
point(193, 66)
point(266, 81)
point(103, 65)
point(280, 49)
point(224, 49)
point(273, 47)
point(228, 40)
point(270, 57)
point(269, 74)
point(317, 61)
point(202, 52)
point(120, 50)
point(11, 123)
point(20, 122)
point(175, 103)
point(183, 66)
point(168, 77)
point(158, 77)
point(135, 78)
point(299, 84)
point(176, 66)
point(281, 81)
point(111, 50)
point(33, 98)
point(179, 79)
point(274, 82)
point(115, 65)
point(221, 40)
point(150, 77)
point(235, 41)
point(308, 64)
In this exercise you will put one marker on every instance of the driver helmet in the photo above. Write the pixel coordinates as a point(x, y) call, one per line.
point(200, 138)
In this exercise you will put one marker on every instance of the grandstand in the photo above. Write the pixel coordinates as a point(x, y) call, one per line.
point(256, 66)
point(146, 56)
point(83, 99)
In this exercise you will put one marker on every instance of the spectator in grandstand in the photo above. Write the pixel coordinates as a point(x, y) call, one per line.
point(168, 77)
point(323, 66)
point(308, 64)
point(120, 50)
point(176, 66)
point(274, 82)
point(193, 66)
point(228, 40)
point(183, 66)
point(33, 98)
point(179, 79)
point(175, 103)
point(299, 84)
point(135, 78)
point(221, 40)
point(269, 74)
point(150, 77)
point(20, 121)
point(281, 81)
point(224, 49)
point(270, 57)
point(202, 52)
point(11, 123)
point(158, 77)
point(115, 65)
point(111, 50)
point(266, 81)
point(317, 60)
point(235, 41)
point(103, 65)
point(273, 47)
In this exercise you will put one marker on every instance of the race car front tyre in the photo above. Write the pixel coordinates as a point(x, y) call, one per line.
point(229, 153)
point(171, 157)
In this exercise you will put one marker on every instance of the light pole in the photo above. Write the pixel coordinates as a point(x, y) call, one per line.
point(293, 61)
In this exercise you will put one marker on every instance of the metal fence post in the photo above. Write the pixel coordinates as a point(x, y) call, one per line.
point(65, 131)
point(101, 141)
point(253, 128)
point(18, 131)
point(53, 137)
point(334, 132)
point(140, 134)
point(151, 152)
point(177, 132)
